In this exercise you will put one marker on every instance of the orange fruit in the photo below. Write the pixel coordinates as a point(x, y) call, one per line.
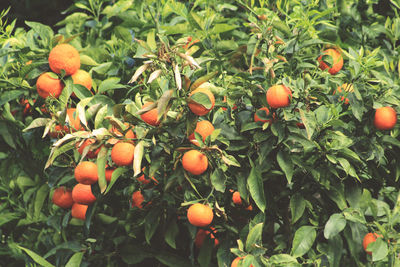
point(236, 198)
point(385, 118)
point(370, 238)
point(347, 88)
point(150, 117)
point(83, 78)
point(79, 211)
point(91, 153)
point(201, 235)
point(62, 197)
point(257, 119)
point(58, 131)
point(204, 128)
point(199, 109)
point(144, 180)
point(86, 173)
point(64, 57)
point(109, 173)
point(129, 133)
point(73, 120)
point(337, 60)
point(122, 153)
point(200, 215)
point(236, 261)
point(48, 84)
point(195, 162)
point(137, 199)
point(279, 96)
point(82, 194)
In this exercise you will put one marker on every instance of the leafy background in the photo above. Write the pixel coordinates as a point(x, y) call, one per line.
point(315, 192)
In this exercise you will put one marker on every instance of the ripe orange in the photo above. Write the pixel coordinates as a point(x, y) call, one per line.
point(195, 162)
point(137, 199)
point(82, 194)
point(109, 173)
point(200, 215)
point(83, 78)
point(204, 128)
point(79, 211)
point(64, 57)
point(150, 117)
point(73, 120)
point(91, 153)
point(370, 238)
point(237, 200)
point(279, 96)
point(86, 173)
point(129, 133)
point(337, 60)
point(257, 119)
point(199, 109)
point(347, 88)
point(385, 118)
point(62, 197)
point(201, 235)
point(48, 84)
point(236, 261)
point(122, 153)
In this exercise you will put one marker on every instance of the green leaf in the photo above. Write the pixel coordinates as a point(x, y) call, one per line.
point(220, 28)
point(256, 188)
point(172, 260)
point(218, 180)
point(334, 225)
point(303, 240)
point(379, 249)
point(101, 168)
point(9, 95)
point(254, 237)
point(38, 259)
point(281, 259)
point(151, 40)
point(110, 84)
point(171, 233)
point(202, 99)
point(115, 175)
point(75, 260)
point(205, 252)
point(285, 162)
point(86, 60)
point(41, 195)
point(138, 156)
point(297, 207)
point(152, 221)
point(202, 80)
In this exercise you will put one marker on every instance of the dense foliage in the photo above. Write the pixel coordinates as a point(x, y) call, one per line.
point(313, 179)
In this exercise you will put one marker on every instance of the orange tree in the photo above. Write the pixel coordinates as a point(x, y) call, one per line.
point(296, 168)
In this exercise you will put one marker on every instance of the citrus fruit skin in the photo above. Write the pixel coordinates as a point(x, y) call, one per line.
point(62, 197)
point(195, 162)
point(204, 128)
point(73, 120)
point(46, 85)
point(201, 235)
point(79, 211)
point(109, 173)
point(91, 153)
point(200, 215)
point(199, 109)
point(83, 78)
point(236, 261)
point(385, 118)
point(82, 194)
point(137, 199)
point(58, 131)
point(237, 200)
point(122, 153)
point(336, 58)
point(279, 96)
point(369, 238)
point(258, 119)
point(86, 173)
point(129, 134)
point(64, 57)
point(344, 87)
point(150, 117)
